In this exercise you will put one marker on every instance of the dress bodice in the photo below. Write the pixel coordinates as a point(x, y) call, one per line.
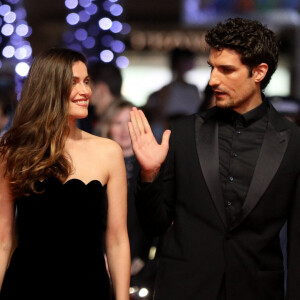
point(62, 214)
point(60, 243)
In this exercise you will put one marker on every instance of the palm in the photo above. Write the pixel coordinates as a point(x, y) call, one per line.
point(148, 152)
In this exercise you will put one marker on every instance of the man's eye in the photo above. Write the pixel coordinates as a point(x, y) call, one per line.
point(227, 70)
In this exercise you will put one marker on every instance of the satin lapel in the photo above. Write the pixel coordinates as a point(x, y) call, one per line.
point(208, 153)
point(270, 157)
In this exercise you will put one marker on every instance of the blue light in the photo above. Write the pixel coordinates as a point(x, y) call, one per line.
point(85, 3)
point(76, 47)
point(118, 46)
point(15, 39)
point(92, 9)
point(105, 23)
point(7, 29)
point(21, 53)
point(28, 50)
point(10, 17)
point(81, 34)
point(89, 43)
point(107, 40)
point(4, 9)
point(71, 4)
point(122, 62)
point(22, 69)
point(107, 5)
point(126, 28)
point(84, 16)
point(116, 27)
point(113, 0)
point(21, 13)
point(116, 10)
point(106, 55)
point(72, 18)
point(8, 51)
point(12, 1)
point(29, 32)
point(22, 29)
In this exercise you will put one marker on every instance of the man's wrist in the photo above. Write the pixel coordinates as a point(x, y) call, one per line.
point(149, 176)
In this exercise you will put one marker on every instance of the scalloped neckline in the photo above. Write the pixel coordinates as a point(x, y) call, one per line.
point(75, 180)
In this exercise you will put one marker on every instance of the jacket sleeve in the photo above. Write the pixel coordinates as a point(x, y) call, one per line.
point(155, 201)
point(293, 246)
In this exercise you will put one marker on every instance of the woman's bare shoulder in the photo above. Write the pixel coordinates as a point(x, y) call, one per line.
point(102, 145)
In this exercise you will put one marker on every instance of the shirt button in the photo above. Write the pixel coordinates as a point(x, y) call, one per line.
point(231, 178)
point(228, 203)
point(238, 132)
point(234, 154)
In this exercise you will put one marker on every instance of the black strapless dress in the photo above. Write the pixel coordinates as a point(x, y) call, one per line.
point(60, 244)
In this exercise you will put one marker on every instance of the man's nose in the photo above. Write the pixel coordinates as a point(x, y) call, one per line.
point(214, 78)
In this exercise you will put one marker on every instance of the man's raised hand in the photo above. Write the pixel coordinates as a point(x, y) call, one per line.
point(148, 152)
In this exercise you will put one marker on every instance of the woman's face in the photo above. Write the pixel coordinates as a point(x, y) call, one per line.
point(80, 92)
point(119, 128)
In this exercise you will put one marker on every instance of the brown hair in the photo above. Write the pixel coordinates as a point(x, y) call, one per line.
point(109, 114)
point(33, 148)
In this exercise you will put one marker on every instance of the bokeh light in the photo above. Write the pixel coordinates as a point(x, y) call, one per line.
point(106, 55)
point(105, 23)
point(14, 47)
point(96, 28)
point(22, 69)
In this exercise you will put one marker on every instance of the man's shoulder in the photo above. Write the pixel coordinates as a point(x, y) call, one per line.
point(281, 122)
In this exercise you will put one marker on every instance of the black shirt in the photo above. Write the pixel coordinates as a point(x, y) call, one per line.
point(240, 141)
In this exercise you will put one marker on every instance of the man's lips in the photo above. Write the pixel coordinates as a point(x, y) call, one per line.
point(219, 93)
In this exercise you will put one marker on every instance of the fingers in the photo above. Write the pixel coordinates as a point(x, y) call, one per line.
point(145, 121)
point(166, 138)
point(131, 132)
point(136, 121)
point(139, 121)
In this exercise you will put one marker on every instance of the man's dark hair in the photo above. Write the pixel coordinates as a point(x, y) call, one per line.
point(107, 73)
point(254, 42)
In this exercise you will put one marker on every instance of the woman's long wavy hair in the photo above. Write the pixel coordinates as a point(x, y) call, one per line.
point(33, 148)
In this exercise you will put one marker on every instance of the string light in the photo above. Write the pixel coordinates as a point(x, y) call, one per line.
point(13, 44)
point(96, 29)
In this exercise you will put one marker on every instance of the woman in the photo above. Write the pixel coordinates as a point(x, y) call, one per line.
point(57, 179)
point(114, 125)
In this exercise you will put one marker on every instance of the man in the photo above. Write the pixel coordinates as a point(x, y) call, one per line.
point(177, 98)
point(227, 183)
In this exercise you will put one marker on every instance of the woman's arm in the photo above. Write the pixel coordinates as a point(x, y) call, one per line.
point(117, 242)
point(7, 213)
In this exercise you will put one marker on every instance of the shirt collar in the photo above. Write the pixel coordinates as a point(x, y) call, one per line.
point(232, 117)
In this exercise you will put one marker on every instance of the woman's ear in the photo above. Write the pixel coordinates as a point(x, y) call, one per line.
point(259, 72)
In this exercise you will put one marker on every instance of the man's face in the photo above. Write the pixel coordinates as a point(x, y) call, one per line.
point(234, 87)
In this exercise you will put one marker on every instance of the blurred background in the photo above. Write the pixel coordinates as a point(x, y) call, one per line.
point(138, 34)
point(135, 38)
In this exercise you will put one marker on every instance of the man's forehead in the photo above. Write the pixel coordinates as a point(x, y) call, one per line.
point(225, 55)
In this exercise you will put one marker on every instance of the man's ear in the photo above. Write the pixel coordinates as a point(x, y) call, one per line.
point(259, 72)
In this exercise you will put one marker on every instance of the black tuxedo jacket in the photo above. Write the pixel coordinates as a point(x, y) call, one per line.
point(202, 256)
